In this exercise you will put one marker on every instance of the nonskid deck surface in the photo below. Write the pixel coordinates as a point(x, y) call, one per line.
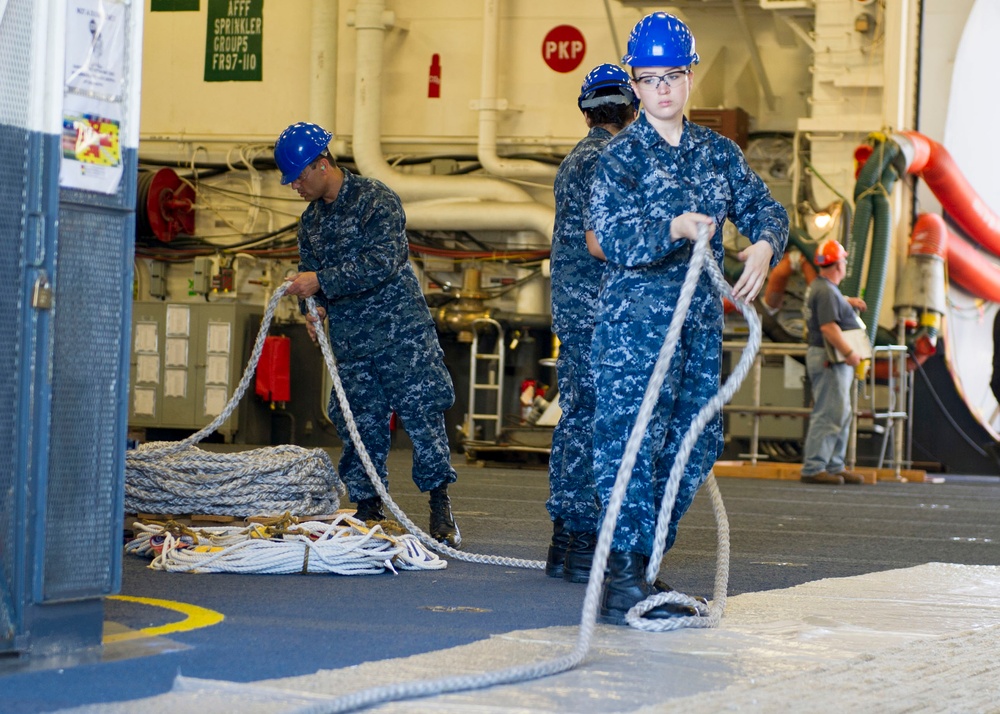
point(858, 555)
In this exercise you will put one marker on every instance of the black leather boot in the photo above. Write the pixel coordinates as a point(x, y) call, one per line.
point(370, 509)
point(442, 524)
point(561, 539)
point(579, 557)
point(625, 585)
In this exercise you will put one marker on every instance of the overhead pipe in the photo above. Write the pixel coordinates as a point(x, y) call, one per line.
point(920, 290)
point(807, 39)
point(612, 28)
point(933, 163)
point(370, 21)
point(323, 57)
point(482, 215)
point(490, 106)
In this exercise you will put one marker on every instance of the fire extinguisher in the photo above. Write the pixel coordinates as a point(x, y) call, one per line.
point(434, 78)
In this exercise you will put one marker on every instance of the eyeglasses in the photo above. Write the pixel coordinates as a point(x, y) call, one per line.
point(671, 79)
point(305, 172)
point(313, 166)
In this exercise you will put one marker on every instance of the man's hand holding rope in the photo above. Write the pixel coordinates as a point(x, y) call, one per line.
point(306, 285)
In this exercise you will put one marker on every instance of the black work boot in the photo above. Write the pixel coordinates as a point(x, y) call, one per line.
point(625, 585)
point(561, 539)
point(443, 528)
point(370, 509)
point(579, 557)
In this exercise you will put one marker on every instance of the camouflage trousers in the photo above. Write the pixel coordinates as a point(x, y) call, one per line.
point(573, 496)
point(409, 378)
point(623, 368)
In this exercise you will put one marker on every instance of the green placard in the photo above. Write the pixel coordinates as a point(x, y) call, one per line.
point(174, 5)
point(233, 42)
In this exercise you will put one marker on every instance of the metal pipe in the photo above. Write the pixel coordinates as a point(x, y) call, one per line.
point(852, 439)
point(480, 215)
point(490, 105)
point(323, 56)
point(614, 30)
point(800, 32)
point(758, 65)
point(900, 424)
point(370, 22)
point(755, 434)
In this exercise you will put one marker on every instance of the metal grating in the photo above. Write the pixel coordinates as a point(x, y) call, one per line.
point(15, 34)
point(91, 327)
point(86, 441)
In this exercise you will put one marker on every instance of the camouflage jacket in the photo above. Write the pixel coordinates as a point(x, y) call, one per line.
point(576, 274)
point(357, 247)
point(642, 183)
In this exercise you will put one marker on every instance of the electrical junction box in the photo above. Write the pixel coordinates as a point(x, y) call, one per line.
point(157, 279)
point(202, 282)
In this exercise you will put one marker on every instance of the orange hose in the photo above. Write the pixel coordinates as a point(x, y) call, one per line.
point(970, 269)
point(930, 236)
point(777, 281)
point(953, 190)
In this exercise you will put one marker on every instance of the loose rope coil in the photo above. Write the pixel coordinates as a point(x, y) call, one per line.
point(520, 673)
point(344, 546)
point(177, 477)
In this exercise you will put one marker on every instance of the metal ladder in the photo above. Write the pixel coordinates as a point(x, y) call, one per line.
point(485, 390)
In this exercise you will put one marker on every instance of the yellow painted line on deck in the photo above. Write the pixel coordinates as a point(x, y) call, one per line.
point(197, 617)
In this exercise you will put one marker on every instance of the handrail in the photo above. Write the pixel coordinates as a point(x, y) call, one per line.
point(793, 349)
point(896, 413)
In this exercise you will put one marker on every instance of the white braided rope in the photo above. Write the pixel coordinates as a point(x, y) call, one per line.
point(536, 670)
point(177, 477)
point(635, 616)
point(345, 407)
point(344, 546)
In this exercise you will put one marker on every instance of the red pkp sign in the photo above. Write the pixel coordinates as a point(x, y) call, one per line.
point(563, 48)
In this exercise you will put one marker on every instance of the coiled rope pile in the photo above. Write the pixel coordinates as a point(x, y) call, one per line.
point(344, 546)
point(177, 477)
point(395, 692)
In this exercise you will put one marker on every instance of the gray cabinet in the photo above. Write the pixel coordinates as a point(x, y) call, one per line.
point(187, 360)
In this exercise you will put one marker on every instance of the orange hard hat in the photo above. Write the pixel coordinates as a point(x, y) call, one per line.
point(829, 252)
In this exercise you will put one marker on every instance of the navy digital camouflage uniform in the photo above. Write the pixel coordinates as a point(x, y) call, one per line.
point(641, 184)
point(381, 331)
point(576, 278)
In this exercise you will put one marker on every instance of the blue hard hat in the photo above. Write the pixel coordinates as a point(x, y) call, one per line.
point(297, 147)
point(660, 40)
point(607, 76)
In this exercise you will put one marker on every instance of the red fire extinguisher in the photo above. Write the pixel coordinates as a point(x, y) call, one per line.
point(434, 79)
